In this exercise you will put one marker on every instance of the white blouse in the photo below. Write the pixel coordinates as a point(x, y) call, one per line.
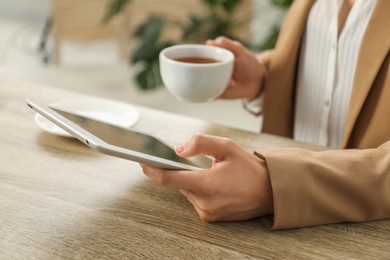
point(326, 71)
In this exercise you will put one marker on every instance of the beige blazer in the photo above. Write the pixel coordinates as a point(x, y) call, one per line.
point(313, 188)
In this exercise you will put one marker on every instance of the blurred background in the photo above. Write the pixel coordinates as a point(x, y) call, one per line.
point(109, 48)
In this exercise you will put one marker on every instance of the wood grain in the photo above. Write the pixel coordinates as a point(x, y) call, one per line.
point(61, 200)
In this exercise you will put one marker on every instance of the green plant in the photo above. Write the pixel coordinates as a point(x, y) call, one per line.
point(282, 3)
point(115, 7)
point(274, 33)
point(218, 20)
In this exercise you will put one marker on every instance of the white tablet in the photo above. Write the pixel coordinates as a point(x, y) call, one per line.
point(117, 141)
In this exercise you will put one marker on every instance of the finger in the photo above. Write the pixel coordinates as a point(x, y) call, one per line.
point(200, 144)
point(226, 43)
point(203, 210)
point(175, 179)
point(191, 197)
point(232, 91)
point(208, 214)
point(239, 216)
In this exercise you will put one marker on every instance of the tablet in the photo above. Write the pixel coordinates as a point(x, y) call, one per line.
point(118, 141)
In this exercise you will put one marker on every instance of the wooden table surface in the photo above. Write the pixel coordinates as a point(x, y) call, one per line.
point(60, 199)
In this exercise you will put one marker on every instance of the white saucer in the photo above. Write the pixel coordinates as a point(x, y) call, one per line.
point(105, 110)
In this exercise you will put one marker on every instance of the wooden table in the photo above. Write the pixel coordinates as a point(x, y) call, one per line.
point(60, 199)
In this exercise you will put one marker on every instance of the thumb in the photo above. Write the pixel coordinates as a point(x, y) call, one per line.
point(226, 43)
point(200, 144)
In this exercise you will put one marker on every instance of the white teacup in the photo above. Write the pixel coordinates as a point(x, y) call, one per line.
point(187, 75)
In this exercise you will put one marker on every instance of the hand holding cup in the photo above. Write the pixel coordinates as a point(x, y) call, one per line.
point(195, 72)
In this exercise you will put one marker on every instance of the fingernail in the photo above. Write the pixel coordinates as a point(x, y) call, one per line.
point(219, 39)
point(180, 148)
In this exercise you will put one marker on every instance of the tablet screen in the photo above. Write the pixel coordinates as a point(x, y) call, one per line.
point(132, 140)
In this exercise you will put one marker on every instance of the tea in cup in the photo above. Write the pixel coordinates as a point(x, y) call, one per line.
point(195, 72)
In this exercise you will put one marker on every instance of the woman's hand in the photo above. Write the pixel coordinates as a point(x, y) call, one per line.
point(248, 73)
point(236, 187)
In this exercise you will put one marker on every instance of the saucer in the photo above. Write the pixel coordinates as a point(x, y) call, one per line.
point(104, 110)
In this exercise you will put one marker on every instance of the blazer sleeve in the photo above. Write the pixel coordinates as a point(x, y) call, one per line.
point(321, 187)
